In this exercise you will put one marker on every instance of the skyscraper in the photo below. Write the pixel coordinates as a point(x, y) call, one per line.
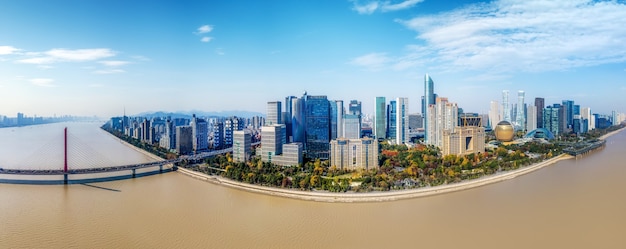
point(242, 142)
point(380, 118)
point(391, 120)
point(540, 104)
point(317, 126)
point(531, 123)
point(402, 120)
point(551, 119)
point(521, 115)
point(355, 107)
point(274, 113)
point(443, 117)
point(200, 134)
point(585, 113)
point(506, 111)
point(340, 113)
point(352, 126)
point(298, 124)
point(288, 115)
point(429, 99)
point(569, 112)
point(184, 140)
point(494, 114)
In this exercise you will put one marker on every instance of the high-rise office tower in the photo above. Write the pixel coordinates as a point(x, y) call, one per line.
point(531, 114)
point(540, 104)
point(184, 140)
point(551, 119)
point(506, 111)
point(614, 119)
point(274, 113)
point(351, 126)
point(494, 114)
point(443, 117)
point(402, 120)
point(339, 113)
point(200, 134)
point(355, 107)
point(569, 111)
point(289, 115)
point(429, 99)
point(218, 135)
point(576, 110)
point(333, 119)
point(585, 113)
point(521, 115)
point(391, 120)
point(242, 141)
point(563, 125)
point(272, 139)
point(380, 118)
point(317, 126)
point(298, 124)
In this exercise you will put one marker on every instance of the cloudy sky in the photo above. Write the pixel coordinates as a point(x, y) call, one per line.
point(99, 57)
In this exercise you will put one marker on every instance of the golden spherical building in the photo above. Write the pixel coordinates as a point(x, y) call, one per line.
point(504, 131)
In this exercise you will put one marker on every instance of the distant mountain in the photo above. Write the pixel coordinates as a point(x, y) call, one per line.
point(188, 114)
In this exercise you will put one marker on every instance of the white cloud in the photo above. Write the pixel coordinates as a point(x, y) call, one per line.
point(521, 35)
point(384, 6)
point(109, 71)
point(43, 82)
point(67, 55)
point(5, 50)
point(368, 8)
point(219, 51)
point(113, 63)
point(80, 54)
point(37, 60)
point(388, 6)
point(372, 61)
point(206, 39)
point(95, 85)
point(204, 29)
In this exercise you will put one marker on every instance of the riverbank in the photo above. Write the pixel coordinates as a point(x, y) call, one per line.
point(605, 136)
point(146, 153)
point(373, 196)
point(379, 196)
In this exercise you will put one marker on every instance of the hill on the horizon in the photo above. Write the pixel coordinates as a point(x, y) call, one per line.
point(188, 114)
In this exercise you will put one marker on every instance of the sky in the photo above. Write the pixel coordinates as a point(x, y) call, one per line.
point(103, 57)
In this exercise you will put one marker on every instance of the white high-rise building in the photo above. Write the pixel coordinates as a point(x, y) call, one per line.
point(352, 154)
point(531, 120)
point(443, 117)
point(521, 116)
point(494, 114)
point(242, 141)
point(506, 111)
point(340, 112)
point(585, 113)
point(274, 113)
point(402, 120)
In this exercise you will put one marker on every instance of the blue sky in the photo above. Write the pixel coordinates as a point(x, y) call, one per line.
point(97, 57)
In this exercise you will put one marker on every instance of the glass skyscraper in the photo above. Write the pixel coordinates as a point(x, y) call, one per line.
point(429, 99)
point(317, 127)
point(380, 118)
point(402, 120)
point(540, 104)
point(391, 120)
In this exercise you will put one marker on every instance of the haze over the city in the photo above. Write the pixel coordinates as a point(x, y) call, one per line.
point(99, 57)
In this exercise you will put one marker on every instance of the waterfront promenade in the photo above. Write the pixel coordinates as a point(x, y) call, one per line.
point(379, 195)
point(372, 196)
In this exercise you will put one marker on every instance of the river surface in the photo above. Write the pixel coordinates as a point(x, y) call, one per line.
point(571, 204)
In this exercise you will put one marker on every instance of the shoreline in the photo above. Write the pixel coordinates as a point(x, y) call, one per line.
point(379, 196)
point(605, 136)
point(372, 196)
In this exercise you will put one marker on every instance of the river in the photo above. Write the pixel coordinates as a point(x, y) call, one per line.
point(571, 204)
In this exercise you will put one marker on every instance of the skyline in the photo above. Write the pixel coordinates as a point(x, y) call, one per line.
point(97, 58)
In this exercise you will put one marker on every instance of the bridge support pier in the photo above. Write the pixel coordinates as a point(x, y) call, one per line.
point(134, 173)
point(160, 168)
point(65, 178)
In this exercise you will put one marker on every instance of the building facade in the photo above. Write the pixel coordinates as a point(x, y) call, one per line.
point(402, 120)
point(540, 104)
point(274, 113)
point(242, 142)
point(429, 99)
point(464, 140)
point(380, 118)
point(184, 140)
point(353, 154)
point(317, 127)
